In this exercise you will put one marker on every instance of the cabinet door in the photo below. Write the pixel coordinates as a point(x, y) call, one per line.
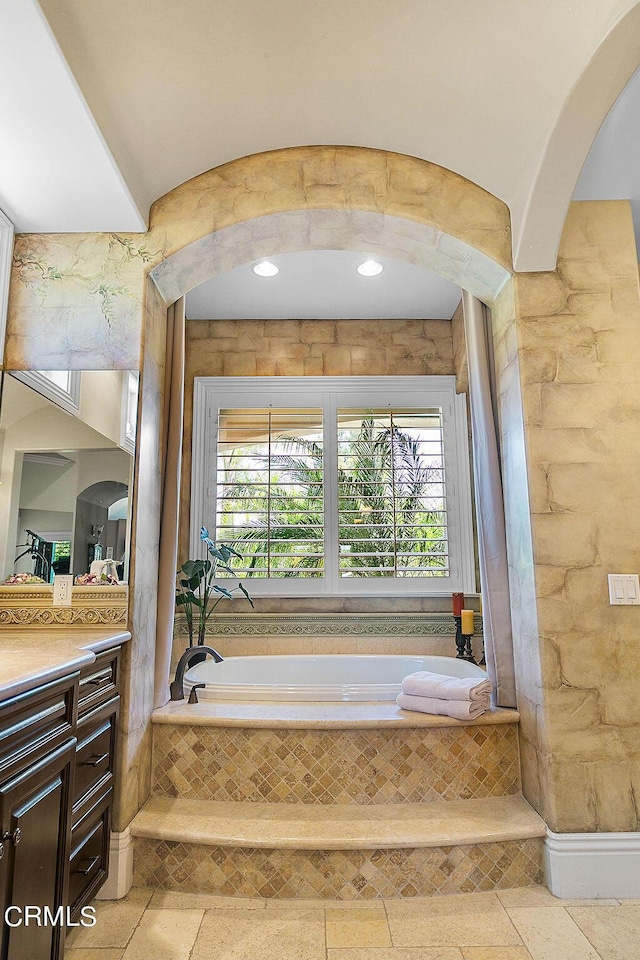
point(37, 803)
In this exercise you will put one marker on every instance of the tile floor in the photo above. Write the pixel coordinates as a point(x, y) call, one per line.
point(522, 924)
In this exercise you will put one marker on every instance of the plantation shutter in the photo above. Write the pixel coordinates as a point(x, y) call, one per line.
point(392, 505)
point(270, 490)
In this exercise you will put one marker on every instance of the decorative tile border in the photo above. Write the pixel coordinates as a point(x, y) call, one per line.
point(329, 625)
point(337, 874)
point(90, 606)
point(335, 766)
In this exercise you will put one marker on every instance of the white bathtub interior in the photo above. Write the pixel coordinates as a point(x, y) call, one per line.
point(322, 677)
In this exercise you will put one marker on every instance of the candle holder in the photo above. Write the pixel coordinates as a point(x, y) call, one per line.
point(463, 642)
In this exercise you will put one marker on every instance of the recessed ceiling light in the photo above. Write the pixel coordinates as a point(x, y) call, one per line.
point(264, 268)
point(370, 268)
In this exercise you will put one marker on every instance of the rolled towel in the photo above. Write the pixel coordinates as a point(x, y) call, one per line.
point(426, 684)
point(458, 709)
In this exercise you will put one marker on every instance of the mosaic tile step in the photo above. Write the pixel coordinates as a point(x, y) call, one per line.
point(338, 827)
point(337, 874)
point(328, 766)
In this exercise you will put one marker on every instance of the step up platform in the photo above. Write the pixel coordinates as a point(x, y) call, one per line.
point(340, 851)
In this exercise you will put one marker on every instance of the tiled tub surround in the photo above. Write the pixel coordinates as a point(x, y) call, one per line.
point(364, 766)
point(307, 627)
point(345, 801)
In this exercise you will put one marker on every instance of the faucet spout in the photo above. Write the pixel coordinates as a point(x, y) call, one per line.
point(176, 687)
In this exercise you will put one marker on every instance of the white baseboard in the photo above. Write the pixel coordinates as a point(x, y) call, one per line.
point(120, 879)
point(593, 865)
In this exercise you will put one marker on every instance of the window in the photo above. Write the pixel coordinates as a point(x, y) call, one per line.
point(60, 386)
point(129, 410)
point(363, 490)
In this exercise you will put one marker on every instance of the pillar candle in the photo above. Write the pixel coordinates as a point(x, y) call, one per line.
point(458, 603)
point(467, 622)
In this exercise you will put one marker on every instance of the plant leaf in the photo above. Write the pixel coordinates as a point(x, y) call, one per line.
point(204, 533)
point(242, 589)
point(223, 591)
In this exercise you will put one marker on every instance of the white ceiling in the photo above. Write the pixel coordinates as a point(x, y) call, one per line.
point(56, 171)
point(139, 97)
point(325, 285)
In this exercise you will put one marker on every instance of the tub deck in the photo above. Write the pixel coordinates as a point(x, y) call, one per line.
point(327, 716)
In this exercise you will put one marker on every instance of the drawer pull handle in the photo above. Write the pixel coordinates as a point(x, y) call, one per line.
point(98, 681)
point(87, 870)
point(15, 837)
point(95, 761)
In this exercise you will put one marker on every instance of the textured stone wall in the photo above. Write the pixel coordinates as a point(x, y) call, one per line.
point(570, 394)
point(522, 583)
point(134, 745)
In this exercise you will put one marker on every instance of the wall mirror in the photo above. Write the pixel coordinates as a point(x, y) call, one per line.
point(66, 471)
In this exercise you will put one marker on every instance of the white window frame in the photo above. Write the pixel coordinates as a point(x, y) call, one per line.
point(129, 412)
point(211, 394)
point(69, 399)
point(6, 258)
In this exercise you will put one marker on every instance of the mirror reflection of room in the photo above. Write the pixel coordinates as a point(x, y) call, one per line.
point(66, 470)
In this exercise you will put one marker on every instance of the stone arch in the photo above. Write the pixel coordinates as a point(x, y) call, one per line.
point(537, 228)
point(350, 198)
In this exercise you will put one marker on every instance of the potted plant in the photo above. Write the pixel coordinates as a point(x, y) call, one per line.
point(198, 594)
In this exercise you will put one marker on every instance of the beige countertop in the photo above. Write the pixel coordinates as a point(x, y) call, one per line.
point(32, 656)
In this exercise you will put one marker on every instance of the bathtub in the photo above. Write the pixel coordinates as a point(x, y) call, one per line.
point(316, 678)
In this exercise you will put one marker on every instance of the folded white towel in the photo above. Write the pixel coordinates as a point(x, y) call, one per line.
point(458, 709)
point(426, 684)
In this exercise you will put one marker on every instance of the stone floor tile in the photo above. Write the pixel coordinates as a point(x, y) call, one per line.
point(320, 904)
point(539, 896)
point(93, 953)
point(115, 922)
point(613, 931)
point(269, 935)
point(176, 900)
point(443, 906)
point(535, 896)
point(357, 928)
point(550, 933)
point(164, 935)
point(578, 902)
point(395, 953)
point(460, 921)
point(496, 953)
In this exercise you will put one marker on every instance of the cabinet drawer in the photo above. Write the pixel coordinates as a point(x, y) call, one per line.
point(89, 860)
point(95, 755)
point(99, 681)
point(33, 723)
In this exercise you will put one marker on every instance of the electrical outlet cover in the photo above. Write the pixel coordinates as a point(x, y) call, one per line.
point(62, 591)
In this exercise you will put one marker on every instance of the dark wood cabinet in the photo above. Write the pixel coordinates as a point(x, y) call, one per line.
point(57, 763)
point(37, 762)
point(35, 828)
point(98, 709)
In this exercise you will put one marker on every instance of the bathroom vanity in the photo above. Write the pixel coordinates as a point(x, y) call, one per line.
point(59, 703)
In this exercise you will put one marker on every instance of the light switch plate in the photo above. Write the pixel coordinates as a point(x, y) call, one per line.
point(62, 591)
point(624, 588)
